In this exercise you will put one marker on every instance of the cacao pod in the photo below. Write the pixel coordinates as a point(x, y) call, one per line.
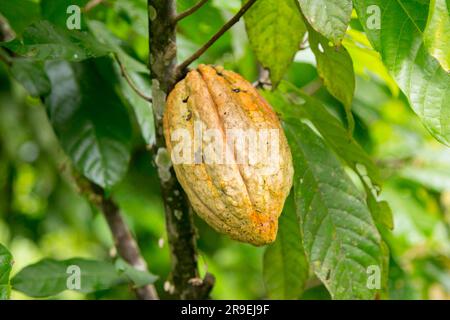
point(234, 193)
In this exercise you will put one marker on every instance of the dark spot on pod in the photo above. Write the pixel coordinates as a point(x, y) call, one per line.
point(237, 90)
point(189, 115)
point(220, 74)
point(185, 100)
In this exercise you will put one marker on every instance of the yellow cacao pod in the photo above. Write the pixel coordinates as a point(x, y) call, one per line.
point(238, 191)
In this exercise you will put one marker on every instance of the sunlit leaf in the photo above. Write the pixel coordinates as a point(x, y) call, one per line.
point(275, 29)
point(419, 75)
point(328, 17)
point(335, 67)
point(437, 32)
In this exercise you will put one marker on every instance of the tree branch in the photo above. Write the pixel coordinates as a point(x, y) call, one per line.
point(185, 279)
point(91, 5)
point(124, 242)
point(189, 11)
point(181, 68)
point(130, 81)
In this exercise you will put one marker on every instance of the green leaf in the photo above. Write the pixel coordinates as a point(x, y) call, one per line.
point(380, 210)
point(31, 74)
point(19, 13)
point(6, 262)
point(418, 74)
point(49, 277)
point(275, 29)
point(335, 67)
point(285, 267)
point(105, 37)
point(340, 237)
point(43, 41)
point(91, 123)
point(437, 32)
point(138, 277)
point(328, 17)
point(366, 61)
point(292, 103)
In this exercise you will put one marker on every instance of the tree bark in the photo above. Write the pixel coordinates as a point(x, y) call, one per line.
point(185, 282)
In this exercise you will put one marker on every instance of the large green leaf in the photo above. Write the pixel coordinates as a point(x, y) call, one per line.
point(91, 123)
point(45, 41)
point(335, 67)
point(437, 32)
point(19, 13)
point(49, 277)
point(275, 29)
point(6, 262)
point(339, 235)
point(285, 267)
point(292, 103)
point(328, 17)
point(418, 74)
point(31, 75)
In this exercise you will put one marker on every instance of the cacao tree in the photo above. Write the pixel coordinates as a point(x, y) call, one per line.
point(282, 149)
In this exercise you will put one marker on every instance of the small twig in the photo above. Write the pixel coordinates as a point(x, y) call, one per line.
point(130, 81)
point(189, 11)
point(312, 87)
point(263, 81)
point(5, 58)
point(215, 37)
point(91, 5)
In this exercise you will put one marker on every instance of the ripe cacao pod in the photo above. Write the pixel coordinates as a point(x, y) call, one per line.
point(240, 198)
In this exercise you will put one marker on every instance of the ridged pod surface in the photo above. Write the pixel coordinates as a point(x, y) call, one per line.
point(242, 199)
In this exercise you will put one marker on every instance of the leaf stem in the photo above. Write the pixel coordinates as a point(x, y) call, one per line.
point(189, 11)
point(130, 81)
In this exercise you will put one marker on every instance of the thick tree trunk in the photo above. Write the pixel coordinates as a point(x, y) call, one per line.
point(185, 280)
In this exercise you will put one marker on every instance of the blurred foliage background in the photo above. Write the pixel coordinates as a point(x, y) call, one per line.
point(42, 214)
